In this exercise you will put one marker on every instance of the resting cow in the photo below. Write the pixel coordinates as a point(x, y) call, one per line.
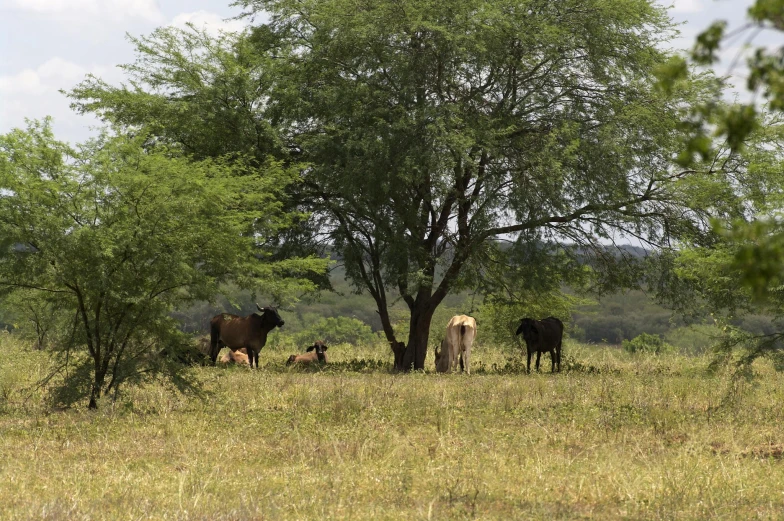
point(236, 332)
point(239, 357)
point(314, 354)
point(541, 336)
point(460, 334)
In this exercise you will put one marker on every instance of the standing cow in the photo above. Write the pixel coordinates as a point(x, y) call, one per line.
point(541, 336)
point(236, 332)
point(460, 334)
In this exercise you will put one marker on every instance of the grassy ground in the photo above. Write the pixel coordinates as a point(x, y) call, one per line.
point(615, 437)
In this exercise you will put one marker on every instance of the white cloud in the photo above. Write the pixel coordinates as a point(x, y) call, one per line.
point(688, 6)
point(48, 76)
point(33, 93)
point(211, 22)
point(114, 10)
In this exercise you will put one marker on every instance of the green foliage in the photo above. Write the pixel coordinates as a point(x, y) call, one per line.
point(336, 330)
point(201, 93)
point(35, 316)
point(696, 339)
point(620, 316)
point(117, 233)
point(672, 71)
point(737, 122)
point(760, 256)
point(735, 270)
point(647, 344)
point(708, 43)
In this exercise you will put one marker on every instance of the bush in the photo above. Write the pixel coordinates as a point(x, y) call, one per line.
point(645, 343)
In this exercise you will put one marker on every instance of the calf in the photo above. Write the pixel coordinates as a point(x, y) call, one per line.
point(239, 357)
point(541, 336)
point(314, 354)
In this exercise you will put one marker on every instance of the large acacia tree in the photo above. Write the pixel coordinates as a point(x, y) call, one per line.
point(431, 130)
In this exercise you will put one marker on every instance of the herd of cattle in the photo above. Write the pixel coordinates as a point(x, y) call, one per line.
point(245, 336)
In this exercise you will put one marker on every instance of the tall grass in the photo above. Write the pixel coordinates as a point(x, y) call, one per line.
point(614, 436)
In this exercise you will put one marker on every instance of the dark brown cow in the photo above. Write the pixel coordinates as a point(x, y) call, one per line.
point(541, 336)
point(249, 332)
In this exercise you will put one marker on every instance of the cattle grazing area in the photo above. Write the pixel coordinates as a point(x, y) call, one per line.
point(612, 436)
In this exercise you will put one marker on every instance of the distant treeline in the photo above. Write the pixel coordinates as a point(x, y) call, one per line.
point(610, 319)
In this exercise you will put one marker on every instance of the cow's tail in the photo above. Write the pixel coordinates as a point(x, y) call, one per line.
point(460, 346)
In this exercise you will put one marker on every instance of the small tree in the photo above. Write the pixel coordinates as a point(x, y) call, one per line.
point(119, 232)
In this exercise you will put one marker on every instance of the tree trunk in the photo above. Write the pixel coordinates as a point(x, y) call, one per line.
point(418, 335)
point(95, 393)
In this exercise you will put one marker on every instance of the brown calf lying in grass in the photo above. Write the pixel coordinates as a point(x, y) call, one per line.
point(239, 357)
point(314, 354)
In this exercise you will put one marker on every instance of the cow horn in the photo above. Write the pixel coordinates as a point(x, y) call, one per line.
point(260, 308)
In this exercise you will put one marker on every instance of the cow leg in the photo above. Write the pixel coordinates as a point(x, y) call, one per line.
point(538, 356)
point(558, 357)
point(467, 356)
point(552, 360)
point(214, 349)
point(462, 368)
point(529, 361)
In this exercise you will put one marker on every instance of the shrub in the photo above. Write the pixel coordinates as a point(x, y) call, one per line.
point(645, 343)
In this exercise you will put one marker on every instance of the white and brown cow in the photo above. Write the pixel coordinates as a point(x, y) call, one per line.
point(456, 346)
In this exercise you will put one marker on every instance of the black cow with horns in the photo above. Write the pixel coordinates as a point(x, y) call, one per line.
point(541, 336)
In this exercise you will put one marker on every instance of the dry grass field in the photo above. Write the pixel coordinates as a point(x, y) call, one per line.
point(613, 436)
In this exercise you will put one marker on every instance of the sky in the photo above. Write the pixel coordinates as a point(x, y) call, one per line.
point(50, 45)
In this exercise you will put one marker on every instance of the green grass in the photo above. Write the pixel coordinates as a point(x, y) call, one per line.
point(614, 437)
